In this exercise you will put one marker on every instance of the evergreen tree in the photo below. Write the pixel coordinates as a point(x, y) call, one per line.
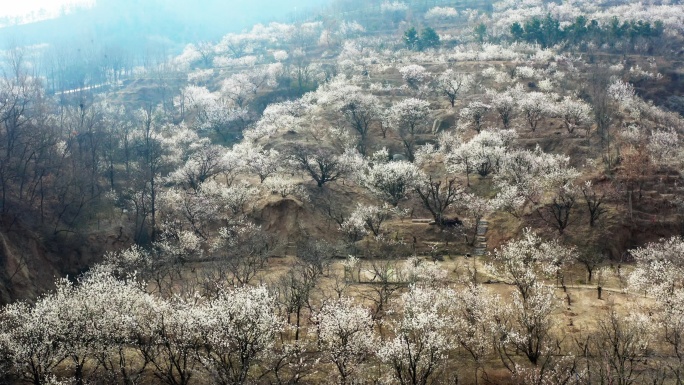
point(428, 38)
point(481, 31)
point(411, 38)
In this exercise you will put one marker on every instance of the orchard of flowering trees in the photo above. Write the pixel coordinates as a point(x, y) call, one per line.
point(402, 193)
point(110, 327)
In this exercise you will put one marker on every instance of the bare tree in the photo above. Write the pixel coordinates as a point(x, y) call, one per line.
point(321, 163)
point(559, 209)
point(619, 348)
point(295, 292)
point(438, 196)
point(329, 204)
point(590, 258)
point(636, 168)
point(597, 87)
point(314, 256)
point(384, 284)
point(360, 111)
point(244, 249)
point(150, 153)
point(593, 198)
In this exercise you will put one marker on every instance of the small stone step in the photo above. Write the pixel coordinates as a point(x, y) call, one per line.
point(482, 227)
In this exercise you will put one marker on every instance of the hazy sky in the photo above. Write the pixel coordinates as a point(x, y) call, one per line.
point(24, 7)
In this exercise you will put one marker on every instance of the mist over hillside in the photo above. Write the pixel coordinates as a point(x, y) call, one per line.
point(178, 22)
point(73, 50)
point(139, 30)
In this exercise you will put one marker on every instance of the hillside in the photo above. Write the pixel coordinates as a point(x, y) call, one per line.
point(406, 192)
point(98, 44)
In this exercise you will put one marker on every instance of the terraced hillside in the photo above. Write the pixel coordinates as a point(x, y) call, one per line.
point(400, 192)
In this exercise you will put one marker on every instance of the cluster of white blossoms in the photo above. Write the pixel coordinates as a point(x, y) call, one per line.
point(394, 6)
point(444, 13)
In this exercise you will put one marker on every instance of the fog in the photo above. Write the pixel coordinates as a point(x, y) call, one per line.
point(136, 23)
point(134, 33)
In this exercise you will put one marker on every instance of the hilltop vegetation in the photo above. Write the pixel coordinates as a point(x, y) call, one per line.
point(399, 192)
